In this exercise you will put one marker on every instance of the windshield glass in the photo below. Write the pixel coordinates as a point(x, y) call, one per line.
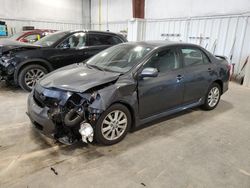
point(16, 36)
point(119, 58)
point(50, 39)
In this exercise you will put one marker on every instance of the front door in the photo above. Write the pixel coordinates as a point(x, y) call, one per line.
point(71, 50)
point(165, 91)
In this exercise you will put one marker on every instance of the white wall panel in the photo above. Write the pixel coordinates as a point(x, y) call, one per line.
point(114, 15)
point(112, 26)
point(158, 9)
point(45, 14)
point(111, 10)
point(228, 35)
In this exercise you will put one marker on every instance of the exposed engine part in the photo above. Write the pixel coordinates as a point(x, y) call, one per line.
point(87, 132)
point(74, 117)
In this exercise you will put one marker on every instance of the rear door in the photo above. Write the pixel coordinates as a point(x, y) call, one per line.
point(165, 91)
point(198, 73)
point(97, 42)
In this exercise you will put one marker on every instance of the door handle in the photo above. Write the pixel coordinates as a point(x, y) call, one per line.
point(179, 78)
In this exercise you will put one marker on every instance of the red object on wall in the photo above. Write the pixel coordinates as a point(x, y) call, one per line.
point(138, 8)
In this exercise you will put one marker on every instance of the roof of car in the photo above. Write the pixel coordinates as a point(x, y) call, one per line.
point(161, 43)
point(94, 31)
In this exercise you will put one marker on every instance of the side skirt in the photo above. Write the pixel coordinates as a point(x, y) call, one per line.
point(171, 111)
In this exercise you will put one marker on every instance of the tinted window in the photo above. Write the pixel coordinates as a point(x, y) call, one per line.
point(164, 61)
point(97, 39)
point(194, 56)
point(77, 40)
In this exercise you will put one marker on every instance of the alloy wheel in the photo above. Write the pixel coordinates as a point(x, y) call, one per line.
point(114, 125)
point(213, 96)
point(32, 76)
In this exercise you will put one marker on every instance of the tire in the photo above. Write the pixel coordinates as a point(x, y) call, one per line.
point(214, 88)
point(121, 131)
point(26, 74)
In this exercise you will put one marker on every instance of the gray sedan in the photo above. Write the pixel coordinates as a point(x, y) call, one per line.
point(124, 87)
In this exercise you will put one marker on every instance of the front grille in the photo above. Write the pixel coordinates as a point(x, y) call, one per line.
point(43, 101)
point(38, 100)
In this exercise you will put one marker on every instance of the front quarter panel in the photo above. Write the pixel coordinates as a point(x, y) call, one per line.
point(123, 91)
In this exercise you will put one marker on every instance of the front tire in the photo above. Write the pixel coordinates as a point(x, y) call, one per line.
point(113, 125)
point(29, 75)
point(212, 97)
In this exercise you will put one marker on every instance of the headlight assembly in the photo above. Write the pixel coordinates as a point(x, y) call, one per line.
point(10, 69)
point(6, 60)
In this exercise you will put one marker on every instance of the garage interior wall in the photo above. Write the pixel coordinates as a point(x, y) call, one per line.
point(45, 14)
point(222, 27)
point(110, 15)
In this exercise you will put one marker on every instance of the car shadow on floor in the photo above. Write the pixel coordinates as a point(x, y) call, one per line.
point(222, 107)
point(160, 127)
point(9, 88)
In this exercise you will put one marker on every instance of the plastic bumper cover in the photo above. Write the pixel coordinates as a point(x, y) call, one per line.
point(39, 118)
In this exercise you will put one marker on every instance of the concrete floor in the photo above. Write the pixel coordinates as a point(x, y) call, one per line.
point(192, 149)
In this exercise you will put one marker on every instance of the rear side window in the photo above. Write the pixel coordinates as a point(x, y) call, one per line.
point(194, 56)
point(97, 40)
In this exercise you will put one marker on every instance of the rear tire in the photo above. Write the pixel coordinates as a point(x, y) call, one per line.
point(113, 125)
point(29, 75)
point(212, 97)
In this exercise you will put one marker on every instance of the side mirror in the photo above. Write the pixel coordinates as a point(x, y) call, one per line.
point(149, 72)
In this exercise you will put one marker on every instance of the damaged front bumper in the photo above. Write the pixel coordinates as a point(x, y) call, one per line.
point(39, 118)
point(65, 116)
point(6, 70)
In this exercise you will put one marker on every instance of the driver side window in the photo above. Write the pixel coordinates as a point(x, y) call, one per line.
point(164, 61)
point(75, 41)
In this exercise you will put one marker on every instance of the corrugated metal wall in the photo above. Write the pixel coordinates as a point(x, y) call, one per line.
point(222, 35)
point(16, 25)
point(111, 26)
point(228, 35)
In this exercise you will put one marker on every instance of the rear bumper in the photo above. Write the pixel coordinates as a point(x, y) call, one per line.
point(39, 118)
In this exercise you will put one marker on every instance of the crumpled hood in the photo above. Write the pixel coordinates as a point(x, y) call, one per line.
point(77, 78)
point(8, 44)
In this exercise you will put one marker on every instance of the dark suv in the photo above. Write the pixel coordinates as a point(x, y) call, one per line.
point(23, 64)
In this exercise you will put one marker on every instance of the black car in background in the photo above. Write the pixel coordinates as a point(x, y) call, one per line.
point(124, 87)
point(23, 64)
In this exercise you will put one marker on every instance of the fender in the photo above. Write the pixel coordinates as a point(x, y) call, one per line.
point(30, 61)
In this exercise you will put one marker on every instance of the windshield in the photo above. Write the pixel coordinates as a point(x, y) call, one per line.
point(119, 58)
point(16, 36)
point(50, 39)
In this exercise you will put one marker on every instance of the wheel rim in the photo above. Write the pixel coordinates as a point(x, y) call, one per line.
point(213, 96)
point(32, 76)
point(114, 125)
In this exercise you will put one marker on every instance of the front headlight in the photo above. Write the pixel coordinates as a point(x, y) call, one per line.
point(6, 60)
point(10, 69)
